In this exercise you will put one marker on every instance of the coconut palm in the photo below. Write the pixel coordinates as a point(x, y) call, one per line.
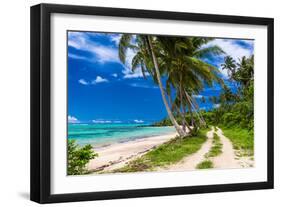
point(229, 65)
point(245, 70)
point(181, 60)
point(143, 47)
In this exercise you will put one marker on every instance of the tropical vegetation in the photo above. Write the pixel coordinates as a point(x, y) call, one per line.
point(234, 109)
point(178, 65)
point(179, 60)
point(78, 157)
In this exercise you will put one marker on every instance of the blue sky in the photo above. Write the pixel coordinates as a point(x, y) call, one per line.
point(103, 90)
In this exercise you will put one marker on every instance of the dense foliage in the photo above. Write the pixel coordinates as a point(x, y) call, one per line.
point(237, 109)
point(181, 61)
point(78, 157)
point(233, 109)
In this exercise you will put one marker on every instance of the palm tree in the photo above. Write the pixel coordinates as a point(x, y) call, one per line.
point(146, 59)
point(178, 59)
point(181, 61)
point(229, 65)
point(245, 70)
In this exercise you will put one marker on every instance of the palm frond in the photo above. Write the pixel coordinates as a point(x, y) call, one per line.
point(124, 44)
point(212, 50)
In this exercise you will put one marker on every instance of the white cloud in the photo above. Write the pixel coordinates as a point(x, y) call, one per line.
point(197, 96)
point(105, 54)
point(81, 41)
point(83, 82)
point(77, 57)
point(99, 79)
point(72, 119)
point(114, 75)
point(115, 38)
point(231, 48)
point(138, 85)
point(138, 121)
point(136, 74)
point(101, 121)
point(101, 53)
point(76, 39)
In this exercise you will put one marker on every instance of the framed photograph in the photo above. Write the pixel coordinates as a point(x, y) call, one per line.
point(132, 103)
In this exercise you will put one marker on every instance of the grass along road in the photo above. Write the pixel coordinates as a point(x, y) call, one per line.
point(223, 154)
point(242, 140)
point(227, 159)
point(215, 150)
point(190, 162)
point(243, 145)
point(209, 149)
point(166, 154)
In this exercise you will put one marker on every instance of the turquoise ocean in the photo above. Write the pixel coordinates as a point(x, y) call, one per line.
point(105, 134)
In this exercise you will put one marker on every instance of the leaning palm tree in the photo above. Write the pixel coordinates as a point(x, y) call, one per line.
point(181, 61)
point(145, 57)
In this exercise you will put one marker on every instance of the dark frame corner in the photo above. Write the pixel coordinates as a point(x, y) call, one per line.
point(40, 102)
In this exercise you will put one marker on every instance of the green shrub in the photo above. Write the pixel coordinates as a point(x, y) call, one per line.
point(78, 157)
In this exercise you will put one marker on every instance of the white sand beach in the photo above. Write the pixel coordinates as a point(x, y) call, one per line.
point(117, 155)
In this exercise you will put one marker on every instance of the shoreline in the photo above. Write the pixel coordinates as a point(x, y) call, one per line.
point(97, 147)
point(107, 141)
point(116, 155)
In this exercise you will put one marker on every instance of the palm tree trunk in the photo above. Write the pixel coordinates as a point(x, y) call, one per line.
point(192, 105)
point(191, 115)
point(183, 110)
point(179, 112)
point(170, 114)
point(197, 111)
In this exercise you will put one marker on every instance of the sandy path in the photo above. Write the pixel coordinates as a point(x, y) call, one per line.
point(117, 155)
point(190, 162)
point(227, 158)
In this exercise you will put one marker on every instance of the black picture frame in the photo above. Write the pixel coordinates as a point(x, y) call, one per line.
point(41, 95)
